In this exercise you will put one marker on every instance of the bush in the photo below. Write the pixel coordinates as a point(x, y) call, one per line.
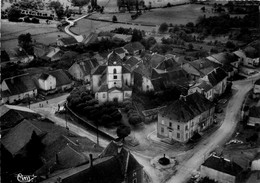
point(230, 45)
point(14, 14)
point(163, 27)
point(35, 20)
point(114, 19)
point(134, 120)
point(27, 19)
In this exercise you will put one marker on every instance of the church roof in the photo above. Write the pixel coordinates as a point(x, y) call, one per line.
point(114, 59)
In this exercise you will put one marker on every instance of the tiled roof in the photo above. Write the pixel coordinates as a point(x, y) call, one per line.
point(223, 165)
point(186, 108)
point(216, 76)
point(103, 88)
point(131, 62)
point(87, 66)
point(99, 70)
point(20, 84)
point(204, 66)
point(61, 77)
point(125, 70)
point(143, 70)
point(114, 59)
point(110, 167)
point(168, 64)
point(69, 40)
point(134, 46)
point(44, 76)
point(155, 60)
point(225, 57)
point(120, 50)
point(19, 136)
point(205, 86)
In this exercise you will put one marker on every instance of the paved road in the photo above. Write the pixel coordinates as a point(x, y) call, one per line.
point(217, 138)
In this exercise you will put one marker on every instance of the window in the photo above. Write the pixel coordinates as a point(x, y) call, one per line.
point(186, 136)
point(104, 95)
point(163, 122)
point(178, 135)
point(178, 127)
point(162, 130)
point(134, 174)
point(115, 77)
point(135, 180)
point(192, 124)
point(186, 127)
point(114, 71)
point(114, 83)
point(170, 124)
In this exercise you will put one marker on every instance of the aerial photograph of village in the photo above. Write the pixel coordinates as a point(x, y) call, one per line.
point(130, 91)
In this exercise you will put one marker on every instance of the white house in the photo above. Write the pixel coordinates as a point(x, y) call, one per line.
point(220, 169)
point(255, 166)
point(17, 88)
point(185, 117)
point(112, 82)
point(247, 61)
point(47, 82)
point(204, 88)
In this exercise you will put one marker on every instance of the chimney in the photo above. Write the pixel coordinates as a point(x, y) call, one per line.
point(119, 144)
point(201, 65)
point(91, 160)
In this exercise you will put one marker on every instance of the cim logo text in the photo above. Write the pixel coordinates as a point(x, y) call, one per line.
point(25, 178)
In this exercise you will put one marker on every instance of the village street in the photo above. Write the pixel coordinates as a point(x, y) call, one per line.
point(194, 158)
point(201, 152)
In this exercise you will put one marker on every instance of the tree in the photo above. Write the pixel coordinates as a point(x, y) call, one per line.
point(134, 119)
point(123, 131)
point(114, 19)
point(81, 3)
point(137, 35)
point(56, 5)
point(190, 46)
point(14, 14)
point(203, 9)
point(163, 27)
point(25, 41)
point(230, 45)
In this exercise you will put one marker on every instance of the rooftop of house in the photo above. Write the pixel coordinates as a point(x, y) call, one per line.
point(204, 66)
point(155, 60)
point(168, 65)
point(44, 76)
point(134, 46)
point(69, 40)
point(250, 52)
point(131, 62)
point(114, 59)
point(240, 53)
point(19, 136)
point(61, 77)
point(187, 107)
point(19, 84)
point(5, 108)
point(99, 70)
point(12, 117)
point(86, 66)
point(254, 112)
point(203, 85)
point(143, 70)
point(225, 57)
point(216, 76)
point(17, 52)
point(223, 165)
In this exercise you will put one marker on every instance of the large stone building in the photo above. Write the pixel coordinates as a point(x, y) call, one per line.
point(184, 117)
point(112, 81)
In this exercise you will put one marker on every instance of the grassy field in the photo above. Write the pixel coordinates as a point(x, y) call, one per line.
point(42, 33)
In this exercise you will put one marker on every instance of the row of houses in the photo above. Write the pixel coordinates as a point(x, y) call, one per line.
point(27, 85)
point(65, 158)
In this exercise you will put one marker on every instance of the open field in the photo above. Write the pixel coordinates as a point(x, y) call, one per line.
point(42, 33)
point(175, 15)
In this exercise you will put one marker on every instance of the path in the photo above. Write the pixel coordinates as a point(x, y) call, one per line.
point(219, 137)
point(79, 38)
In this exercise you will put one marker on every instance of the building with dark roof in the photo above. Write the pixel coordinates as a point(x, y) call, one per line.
point(121, 51)
point(81, 70)
point(184, 117)
point(254, 116)
point(112, 81)
point(220, 169)
point(17, 88)
point(63, 82)
point(67, 41)
point(134, 48)
point(204, 88)
point(114, 165)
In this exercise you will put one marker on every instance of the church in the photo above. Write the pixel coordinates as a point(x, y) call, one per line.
point(112, 81)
